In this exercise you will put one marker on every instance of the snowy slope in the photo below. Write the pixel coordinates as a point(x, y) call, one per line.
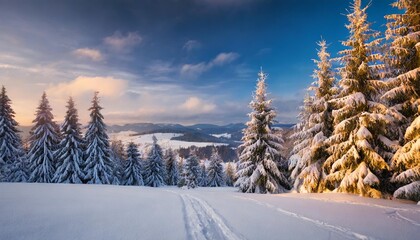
point(60, 211)
point(164, 140)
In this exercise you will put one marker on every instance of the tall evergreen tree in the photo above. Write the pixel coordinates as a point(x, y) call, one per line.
point(258, 171)
point(406, 164)
point(302, 139)
point(192, 171)
point(12, 156)
point(215, 175)
point(98, 163)
point(132, 174)
point(403, 60)
point(202, 179)
point(182, 179)
point(358, 144)
point(118, 155)
point(230, 174)
point(44, 140)
point(171, 168)
point(154, 170)
point(70, 152)
point(319, 125)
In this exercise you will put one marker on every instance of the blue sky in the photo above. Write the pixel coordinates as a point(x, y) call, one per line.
point(175, 61)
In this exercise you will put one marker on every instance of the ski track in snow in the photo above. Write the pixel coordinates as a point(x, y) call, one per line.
point(202, 222)
point(397, 215)
point(360, 204)
point(345, 232)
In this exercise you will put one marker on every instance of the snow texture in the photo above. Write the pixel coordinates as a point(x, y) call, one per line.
point(74, 211)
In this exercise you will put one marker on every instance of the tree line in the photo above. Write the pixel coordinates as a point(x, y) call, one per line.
point(60, 154)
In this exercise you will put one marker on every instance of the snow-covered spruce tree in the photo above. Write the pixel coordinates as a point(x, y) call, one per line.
point(98, 162)
point(154, 170)
point(12, 156)
point(132, 174)
point(202, 179)
point(70, 152)
point(44, 140)
point(192, 171)
point(215, 174)
point(258, 172)
point(358, 144)
point(302, 137)
point(118, 156)
point(319, 126)
point(403, 61)
point(229, 174)
point(406, 164)
point(171, 168)
point(182, 179)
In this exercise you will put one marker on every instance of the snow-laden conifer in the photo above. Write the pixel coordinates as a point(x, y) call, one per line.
point(44, 140)
point(319, 126)
point(258, 171)
point(70, 151)
point(98, 163)
point(118, 155)
point(12, 156)
point(406, 164)
point(154, 169)
point(215, 174)
point(192, 171)
point(358, 144)
point(301, 151)
point(182, 179)
point(403, 60)
point(132, 174)
point(230, 173)
point(171, 168)
point(202, 179)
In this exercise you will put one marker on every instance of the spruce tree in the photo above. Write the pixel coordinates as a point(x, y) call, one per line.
point(301, 151)
point(230, 174)
point(403, 61)
point(12, 156)
point(171, 168)
point(154, 170)
point(358, 144)
point(215, 174)
point(202, 179)
point(258, 172)
point(98, 162)
point(118, 156)
point(192, 171)
point(319, 126)
point(44, 140)
point(70, 152)
point(182, 179)
point(132, 174)
point(406, 164)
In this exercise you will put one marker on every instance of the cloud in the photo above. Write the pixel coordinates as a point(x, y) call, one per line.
point(121, 43)
point(195, 70)
point(191, 45)
point(90, 53)
point(107, 86)
point(197, 105)
point(224, 58)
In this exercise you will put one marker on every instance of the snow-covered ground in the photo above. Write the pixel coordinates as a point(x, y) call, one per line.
point(224, 135)
point(60, 211)
point(164, 140)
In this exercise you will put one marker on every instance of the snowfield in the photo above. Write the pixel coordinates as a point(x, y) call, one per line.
point(61, 211)
point(164, 140)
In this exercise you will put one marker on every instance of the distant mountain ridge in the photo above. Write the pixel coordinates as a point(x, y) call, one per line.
point(191, 133)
